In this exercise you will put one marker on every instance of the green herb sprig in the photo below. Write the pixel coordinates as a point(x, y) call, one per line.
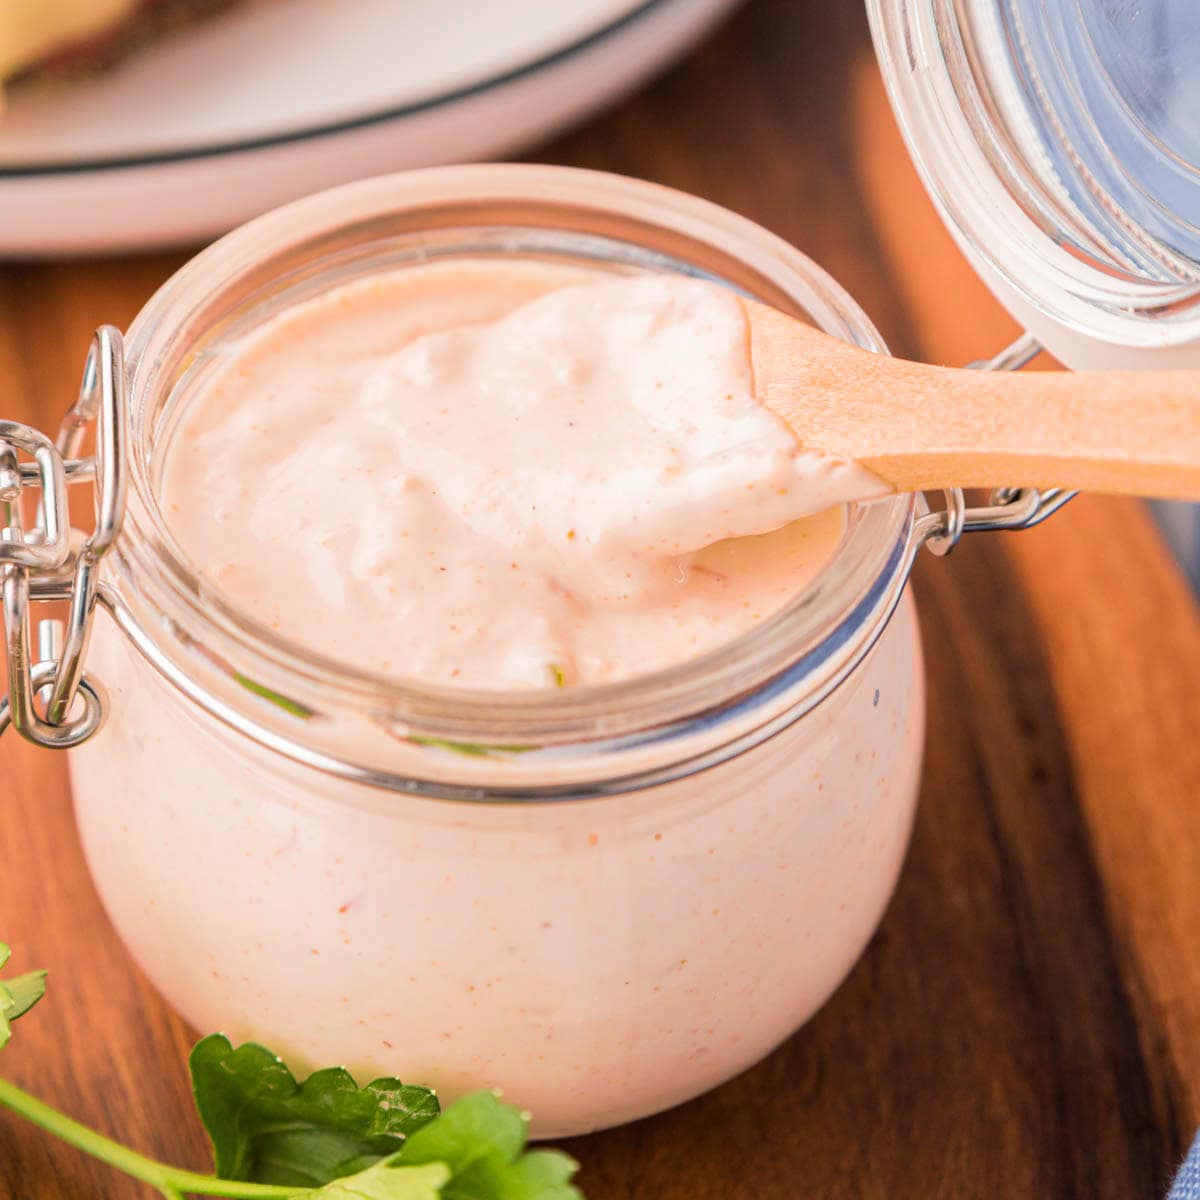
point(275, 1138)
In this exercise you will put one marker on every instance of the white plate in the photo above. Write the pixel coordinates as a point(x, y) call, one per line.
point(271, 101)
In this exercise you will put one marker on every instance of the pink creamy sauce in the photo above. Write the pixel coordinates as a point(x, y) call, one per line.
point(502, 474)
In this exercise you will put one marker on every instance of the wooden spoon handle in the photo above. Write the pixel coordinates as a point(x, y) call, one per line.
point(917, 427)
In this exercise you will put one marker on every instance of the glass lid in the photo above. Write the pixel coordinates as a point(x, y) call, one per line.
point(1061, 141)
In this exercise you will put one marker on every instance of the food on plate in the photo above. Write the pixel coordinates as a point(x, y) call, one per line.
point(66, 37)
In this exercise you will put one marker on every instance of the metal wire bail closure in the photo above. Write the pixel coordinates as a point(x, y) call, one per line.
point(1008, 507)
point(51, 701)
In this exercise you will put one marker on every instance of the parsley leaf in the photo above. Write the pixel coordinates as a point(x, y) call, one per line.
point(543, 1175)
point(271, 1134)
point(17, 996)
point(468, 749)
point(387, 1181)
point(483, 1142)
point(292, 707)
point(265, 1127)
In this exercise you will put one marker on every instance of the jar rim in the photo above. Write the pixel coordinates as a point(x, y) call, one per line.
point(187, 626)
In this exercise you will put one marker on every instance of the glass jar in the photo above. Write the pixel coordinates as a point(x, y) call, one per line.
point(604, 900)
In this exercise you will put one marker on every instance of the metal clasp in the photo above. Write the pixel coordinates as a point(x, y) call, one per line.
point(51, 701)
point(1007, 507)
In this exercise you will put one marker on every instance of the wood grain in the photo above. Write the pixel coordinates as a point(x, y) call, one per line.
point(1027, 1020)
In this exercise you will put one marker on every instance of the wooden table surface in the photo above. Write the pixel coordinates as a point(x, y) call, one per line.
point(1026, 1023)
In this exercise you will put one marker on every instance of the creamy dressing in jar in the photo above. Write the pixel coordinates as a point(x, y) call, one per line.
point(499, 474)
point(603, 897)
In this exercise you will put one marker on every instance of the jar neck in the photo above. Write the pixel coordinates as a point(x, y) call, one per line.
point(451, 742)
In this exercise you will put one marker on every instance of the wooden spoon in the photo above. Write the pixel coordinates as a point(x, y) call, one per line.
point(918, 427)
